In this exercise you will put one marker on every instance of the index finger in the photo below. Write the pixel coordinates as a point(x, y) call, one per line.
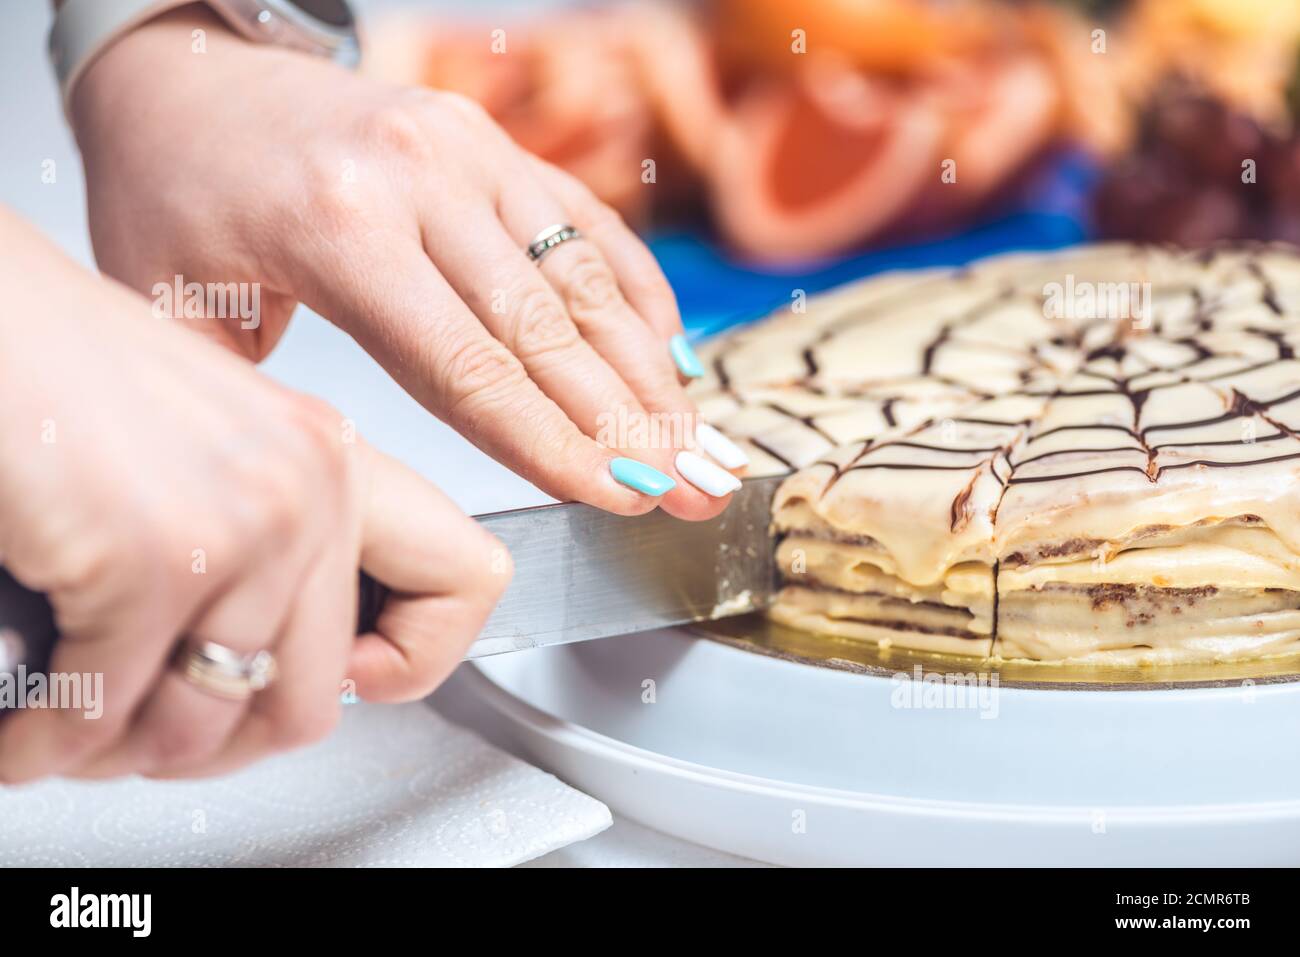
point(444, 573)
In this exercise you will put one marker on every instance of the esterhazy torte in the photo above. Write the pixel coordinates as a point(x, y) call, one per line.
point(1085, 455)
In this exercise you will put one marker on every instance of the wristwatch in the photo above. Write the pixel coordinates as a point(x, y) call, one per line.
point(83, 29)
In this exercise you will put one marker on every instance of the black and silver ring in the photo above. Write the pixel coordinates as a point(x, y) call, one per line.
point(549, 238)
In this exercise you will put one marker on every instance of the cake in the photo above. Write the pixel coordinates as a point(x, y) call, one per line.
point(1084, 456)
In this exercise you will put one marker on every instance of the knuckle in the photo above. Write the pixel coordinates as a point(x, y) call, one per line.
point(590, 285)
point(601, 217)
point(320, 426)
point(333, 205)
point(188, 558)
point(466, 107)
point(161, 545)
point(87, 560)
point(480, 374)
point(334, 191)
point(575, 193)
point(280, 501)
point(539, 325)
point(398, 128)
point(138, 556)
point(271, 503)
point(276, 477)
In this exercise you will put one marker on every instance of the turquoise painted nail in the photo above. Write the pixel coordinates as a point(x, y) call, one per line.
point(687, 361)
point(641, 477)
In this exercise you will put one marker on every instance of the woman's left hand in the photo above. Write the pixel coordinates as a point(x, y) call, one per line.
point(403, 216)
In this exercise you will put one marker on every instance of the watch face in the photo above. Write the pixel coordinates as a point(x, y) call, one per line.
point(334, 12)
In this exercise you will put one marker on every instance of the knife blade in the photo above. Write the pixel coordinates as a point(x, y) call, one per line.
point(580, 573)
point(583, 573)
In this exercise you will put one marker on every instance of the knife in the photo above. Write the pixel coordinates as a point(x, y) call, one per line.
point(580, 573)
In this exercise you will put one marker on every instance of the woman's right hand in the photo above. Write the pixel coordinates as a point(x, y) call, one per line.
point(157, 487)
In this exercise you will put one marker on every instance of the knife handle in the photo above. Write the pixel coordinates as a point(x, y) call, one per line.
point(28, 631)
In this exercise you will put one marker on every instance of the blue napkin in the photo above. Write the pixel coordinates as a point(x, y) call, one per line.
point(1049, 211)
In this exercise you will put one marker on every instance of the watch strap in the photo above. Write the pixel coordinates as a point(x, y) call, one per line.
point(83, 29)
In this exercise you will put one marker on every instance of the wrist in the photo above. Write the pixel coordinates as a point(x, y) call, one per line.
point(157, 57)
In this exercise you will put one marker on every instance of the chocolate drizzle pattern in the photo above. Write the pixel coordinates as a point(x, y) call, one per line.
point(1190, 343)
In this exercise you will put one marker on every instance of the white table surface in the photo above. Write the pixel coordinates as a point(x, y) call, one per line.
point(314, 357)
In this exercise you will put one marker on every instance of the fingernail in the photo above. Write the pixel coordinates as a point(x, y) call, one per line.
point(727, 452)
point(688, 363)
point(641, 477)
point(704, 475)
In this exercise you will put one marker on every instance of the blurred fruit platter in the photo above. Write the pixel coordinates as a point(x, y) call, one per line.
point(775, 136)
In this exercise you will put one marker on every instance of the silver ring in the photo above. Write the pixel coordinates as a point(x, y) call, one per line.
point(220, 671)
point(549, 238)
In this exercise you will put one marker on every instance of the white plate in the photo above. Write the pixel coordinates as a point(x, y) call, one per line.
point(796, 764)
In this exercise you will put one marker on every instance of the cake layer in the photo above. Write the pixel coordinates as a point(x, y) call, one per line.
point(1147, 624)
point(867, 569)
point(920, 625)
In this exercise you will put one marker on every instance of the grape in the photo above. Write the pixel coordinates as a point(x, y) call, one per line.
point(1184, 182)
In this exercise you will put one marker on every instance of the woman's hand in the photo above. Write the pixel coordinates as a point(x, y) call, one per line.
point(158, 487)
point(403, 216)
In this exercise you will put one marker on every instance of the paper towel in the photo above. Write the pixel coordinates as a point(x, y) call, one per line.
point(394, 786)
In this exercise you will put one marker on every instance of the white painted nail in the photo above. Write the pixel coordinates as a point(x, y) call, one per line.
point(727, 452)
point(704, 475)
